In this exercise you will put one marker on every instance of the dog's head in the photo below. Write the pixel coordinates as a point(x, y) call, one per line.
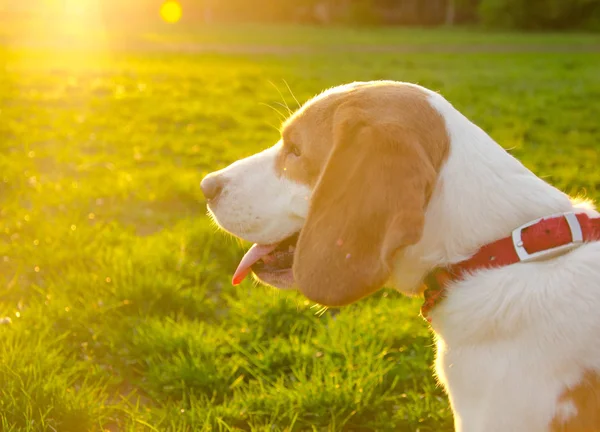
point(340, 195)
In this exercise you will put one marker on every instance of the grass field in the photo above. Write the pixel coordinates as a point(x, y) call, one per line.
point(115, 288)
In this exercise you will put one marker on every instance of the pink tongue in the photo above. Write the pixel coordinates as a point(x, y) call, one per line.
point(255, 253)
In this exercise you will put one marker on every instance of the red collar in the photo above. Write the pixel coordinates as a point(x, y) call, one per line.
point(537, 240)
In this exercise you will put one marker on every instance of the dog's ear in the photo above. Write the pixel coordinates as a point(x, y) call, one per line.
point(368, 204)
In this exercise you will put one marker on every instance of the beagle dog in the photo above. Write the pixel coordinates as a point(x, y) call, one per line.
point(386, 183)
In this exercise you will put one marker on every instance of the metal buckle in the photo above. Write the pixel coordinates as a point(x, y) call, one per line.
point(576, 239)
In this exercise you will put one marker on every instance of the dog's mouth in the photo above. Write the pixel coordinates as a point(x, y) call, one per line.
point(269, 262)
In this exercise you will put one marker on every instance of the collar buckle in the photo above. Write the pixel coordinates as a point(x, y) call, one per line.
point(576, 239)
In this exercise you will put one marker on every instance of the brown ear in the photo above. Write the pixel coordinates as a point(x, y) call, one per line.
point(368, 203)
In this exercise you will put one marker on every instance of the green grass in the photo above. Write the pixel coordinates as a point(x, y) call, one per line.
point(117, 286)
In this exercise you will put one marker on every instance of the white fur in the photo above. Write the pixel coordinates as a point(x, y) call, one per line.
point(509, 340)
point(258, 205)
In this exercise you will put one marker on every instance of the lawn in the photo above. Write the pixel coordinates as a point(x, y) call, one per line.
point(115, 287)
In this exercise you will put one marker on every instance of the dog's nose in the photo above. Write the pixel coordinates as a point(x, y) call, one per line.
point(212, 185)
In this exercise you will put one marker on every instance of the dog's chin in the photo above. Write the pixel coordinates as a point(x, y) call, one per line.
point(282, 279)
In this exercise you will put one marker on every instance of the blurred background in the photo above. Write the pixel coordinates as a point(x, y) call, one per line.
point(519, 14)
point(116, 307)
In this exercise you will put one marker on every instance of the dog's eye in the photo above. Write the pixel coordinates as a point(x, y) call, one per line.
point(293, 148)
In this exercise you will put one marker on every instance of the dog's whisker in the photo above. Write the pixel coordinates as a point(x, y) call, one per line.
point(291, 92)
point(282, 98)
point(274, 127)
point(282, 115)
point(284, 106)
point(321, 311)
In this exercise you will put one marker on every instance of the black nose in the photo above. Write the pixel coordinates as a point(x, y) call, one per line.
point(212, 186)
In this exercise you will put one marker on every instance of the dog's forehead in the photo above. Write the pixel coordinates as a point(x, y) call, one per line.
point(322, 107)
point(398, 103)
point(332, 97)
point(318, 109)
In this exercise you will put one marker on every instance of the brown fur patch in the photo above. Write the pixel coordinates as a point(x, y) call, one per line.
point(586, 398)
point(372, 154)
point(310, 129)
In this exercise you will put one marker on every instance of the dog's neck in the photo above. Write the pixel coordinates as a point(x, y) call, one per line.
point(483, 193)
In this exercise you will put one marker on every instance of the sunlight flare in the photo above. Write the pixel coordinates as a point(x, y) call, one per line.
point(171, 11)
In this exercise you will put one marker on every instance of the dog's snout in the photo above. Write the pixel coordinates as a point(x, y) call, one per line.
point(212, 185)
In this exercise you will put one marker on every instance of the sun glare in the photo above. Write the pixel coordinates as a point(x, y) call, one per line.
point(171, 11)
point(76, 8)
point(62, 25)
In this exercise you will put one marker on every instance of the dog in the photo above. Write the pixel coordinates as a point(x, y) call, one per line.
point(386, 183)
